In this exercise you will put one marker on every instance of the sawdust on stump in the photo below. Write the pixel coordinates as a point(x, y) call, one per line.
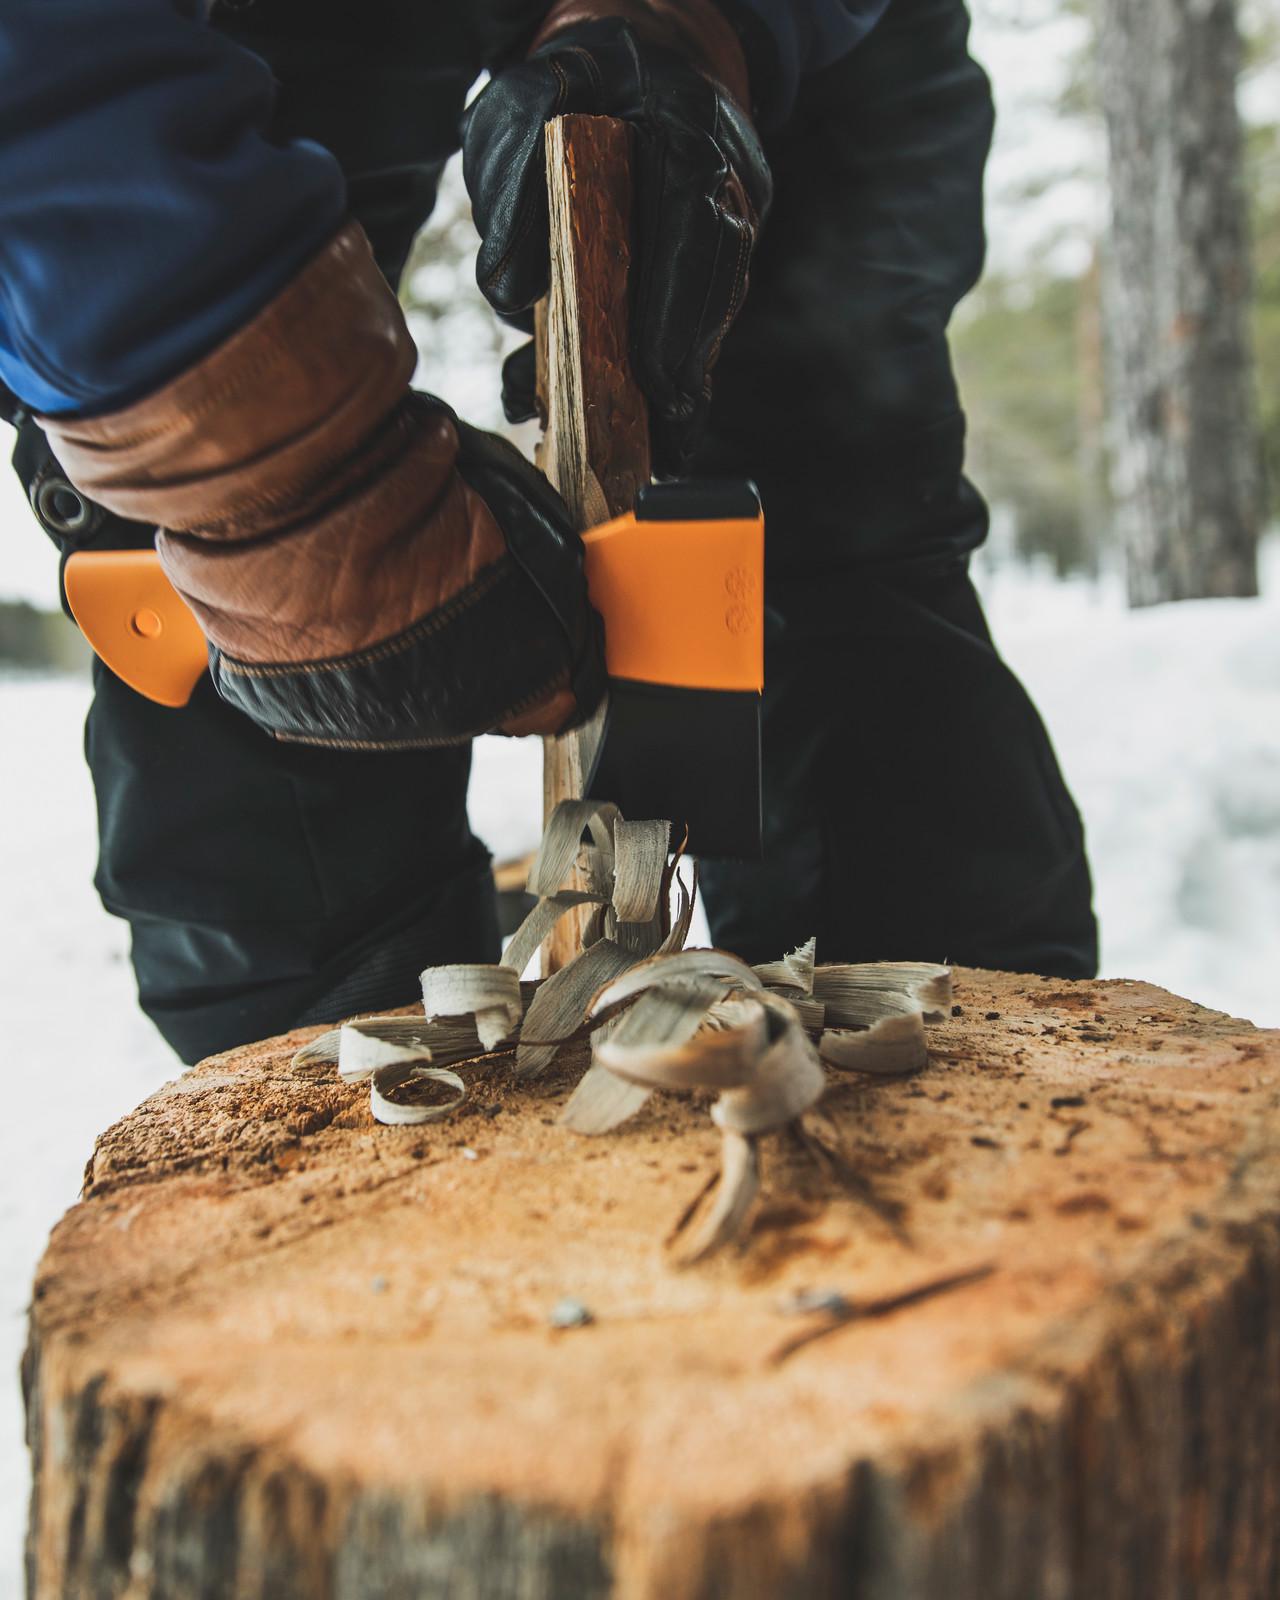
point(1010, 1328)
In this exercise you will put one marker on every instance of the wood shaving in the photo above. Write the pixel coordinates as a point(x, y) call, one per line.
point(562, 844)
point(850, 990)
point(528, 937)
point(640, 865)
point(557, 1010)
point(389, 1066)
point(489, 994)
point(661, 1018)
point(892, 1047)
point(792, 972)
point(445, 1040)
point(734, 1196)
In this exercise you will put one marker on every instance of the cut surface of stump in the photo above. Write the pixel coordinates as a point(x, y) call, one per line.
point(278, 1351)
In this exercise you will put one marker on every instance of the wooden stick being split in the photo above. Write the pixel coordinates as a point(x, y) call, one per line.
point(596, 447)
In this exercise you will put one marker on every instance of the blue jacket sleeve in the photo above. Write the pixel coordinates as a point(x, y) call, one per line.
point(808, 35)
point(144, 211)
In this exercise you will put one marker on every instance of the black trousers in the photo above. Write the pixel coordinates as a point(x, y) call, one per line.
point(914, 808)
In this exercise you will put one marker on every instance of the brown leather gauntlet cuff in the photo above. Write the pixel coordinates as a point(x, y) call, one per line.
point(333, 532)
point(308, 502)
point(258, 422)
point(696, 29)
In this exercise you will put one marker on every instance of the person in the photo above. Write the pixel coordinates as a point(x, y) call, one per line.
point(202, 224)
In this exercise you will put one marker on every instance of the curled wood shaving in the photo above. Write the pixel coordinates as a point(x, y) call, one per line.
point(489, 994)
point(444, 1040)
point(556, 1012)
point(389, 1066)
point(735, 1194)
point(703, 1020)
point(720, 1057)
point(660, 1017)
point(562, 842)
point(686, 900)
point(812, 1014)
point(787, 1080)
point(602, 1101)
point(527, 939)
point(887, 1003)
point(665, 971)
point(640, 865)
point(851, 993)
point(385, 1110)
point(891, 1047)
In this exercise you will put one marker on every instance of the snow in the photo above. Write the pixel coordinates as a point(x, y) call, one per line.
point(1167, 723)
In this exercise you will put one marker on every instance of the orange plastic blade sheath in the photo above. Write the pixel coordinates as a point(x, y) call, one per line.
point(137, 622)
point(682, 602)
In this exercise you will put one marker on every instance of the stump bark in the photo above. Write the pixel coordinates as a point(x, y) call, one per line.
point(278, 1351)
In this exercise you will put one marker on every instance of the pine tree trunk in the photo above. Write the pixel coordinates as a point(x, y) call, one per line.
point(1183, 428)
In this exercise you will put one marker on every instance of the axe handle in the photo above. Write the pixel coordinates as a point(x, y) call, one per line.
point(596, 446)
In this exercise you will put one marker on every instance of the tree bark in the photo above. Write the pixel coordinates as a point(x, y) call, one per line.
point(596, 447)
point(280, 1353)
point(1184, 438)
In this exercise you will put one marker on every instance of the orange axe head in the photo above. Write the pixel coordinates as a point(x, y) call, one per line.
point(680, 585)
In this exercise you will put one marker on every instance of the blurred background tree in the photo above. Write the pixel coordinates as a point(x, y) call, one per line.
point(1061, 414)
point(1185, 454)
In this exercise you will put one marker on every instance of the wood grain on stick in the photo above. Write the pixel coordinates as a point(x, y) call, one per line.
point(596, 448)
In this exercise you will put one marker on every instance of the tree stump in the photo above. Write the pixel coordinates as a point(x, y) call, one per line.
point(278, 1351)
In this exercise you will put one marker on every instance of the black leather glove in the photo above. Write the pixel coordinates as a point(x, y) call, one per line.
point(702, 188)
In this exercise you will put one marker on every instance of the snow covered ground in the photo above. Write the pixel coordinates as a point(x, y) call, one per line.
point(1167, 723)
